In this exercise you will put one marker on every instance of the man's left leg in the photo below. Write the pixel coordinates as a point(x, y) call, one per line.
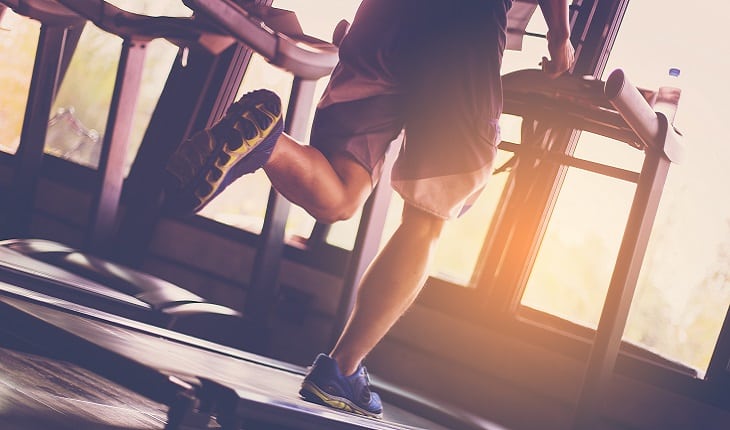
point(390, 285)
point(388, 288)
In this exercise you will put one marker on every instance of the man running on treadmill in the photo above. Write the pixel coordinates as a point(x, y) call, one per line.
point(431, 69)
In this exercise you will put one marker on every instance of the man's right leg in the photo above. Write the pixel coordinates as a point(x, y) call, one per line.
point(249, 137)
point(328, 189)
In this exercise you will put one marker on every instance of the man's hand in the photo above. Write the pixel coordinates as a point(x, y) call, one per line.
point(562, 55)
point(558, 37)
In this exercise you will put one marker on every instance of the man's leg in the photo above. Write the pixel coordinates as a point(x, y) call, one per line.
point(389, 286)
point(250, 136)
point(329, 189)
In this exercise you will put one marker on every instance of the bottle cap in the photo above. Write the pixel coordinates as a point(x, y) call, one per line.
point(674, 72)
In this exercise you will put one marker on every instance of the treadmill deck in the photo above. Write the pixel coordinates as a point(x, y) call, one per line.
point(161, 365)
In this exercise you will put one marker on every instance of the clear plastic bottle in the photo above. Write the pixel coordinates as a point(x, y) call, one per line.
point(668, 94)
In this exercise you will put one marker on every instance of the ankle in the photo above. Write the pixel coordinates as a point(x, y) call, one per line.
point(347, 366)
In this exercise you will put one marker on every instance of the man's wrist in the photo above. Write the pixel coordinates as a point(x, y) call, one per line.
point(558, 37)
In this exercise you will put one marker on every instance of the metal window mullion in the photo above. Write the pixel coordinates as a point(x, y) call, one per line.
point(29, 156)
point(528, 227)
point(105, 202)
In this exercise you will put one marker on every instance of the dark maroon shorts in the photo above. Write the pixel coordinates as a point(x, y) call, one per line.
point(431, 69)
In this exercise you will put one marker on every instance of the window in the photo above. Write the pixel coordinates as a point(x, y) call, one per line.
point(18, 40)
point(573, 267)
point(80, 110)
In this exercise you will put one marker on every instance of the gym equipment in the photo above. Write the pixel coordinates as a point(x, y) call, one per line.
point(199, 381)
point(52, 268)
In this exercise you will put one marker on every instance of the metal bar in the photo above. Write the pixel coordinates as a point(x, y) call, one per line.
point(718, 372)
point(318, 236)
point(262, 290)
point(621, 291)
point(594, 32)
point(73, 36)
point(105, 203)
point(29, 157)
point(571, 161)
point(591, 166)
point(650, 126)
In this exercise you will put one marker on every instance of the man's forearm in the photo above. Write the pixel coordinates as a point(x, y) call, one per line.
point(562, 54)
point(555, 13)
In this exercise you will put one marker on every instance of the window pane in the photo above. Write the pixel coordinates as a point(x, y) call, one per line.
point(81, 109)
point(684, 288)
point(82, 105)
point(18, 41)
point(343, 233)
point(577, 255)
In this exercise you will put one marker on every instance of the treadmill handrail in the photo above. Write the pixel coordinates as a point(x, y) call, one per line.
point(49, 12)
point(575, 102)
point(127, 24)
point(251, 30)
point(654, 128)
point(303, 56)
point(615, 109)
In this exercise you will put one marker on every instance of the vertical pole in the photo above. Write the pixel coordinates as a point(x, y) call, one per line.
point(621, 289)
point(105, 204)
point(262, 290)
point(29, 157)
point(718, 372)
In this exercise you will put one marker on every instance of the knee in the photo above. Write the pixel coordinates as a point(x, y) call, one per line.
point(424, 224)
point(340, 212)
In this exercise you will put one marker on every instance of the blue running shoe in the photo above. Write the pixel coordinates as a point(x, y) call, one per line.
point(210, 160)
point(326, 385)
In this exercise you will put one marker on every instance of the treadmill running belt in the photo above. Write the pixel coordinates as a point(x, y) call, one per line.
point(265, 394)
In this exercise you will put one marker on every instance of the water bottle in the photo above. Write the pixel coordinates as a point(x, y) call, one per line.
point(667, 97)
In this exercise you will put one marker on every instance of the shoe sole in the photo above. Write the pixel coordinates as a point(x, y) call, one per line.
point(310, 391)
point(191, 191)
